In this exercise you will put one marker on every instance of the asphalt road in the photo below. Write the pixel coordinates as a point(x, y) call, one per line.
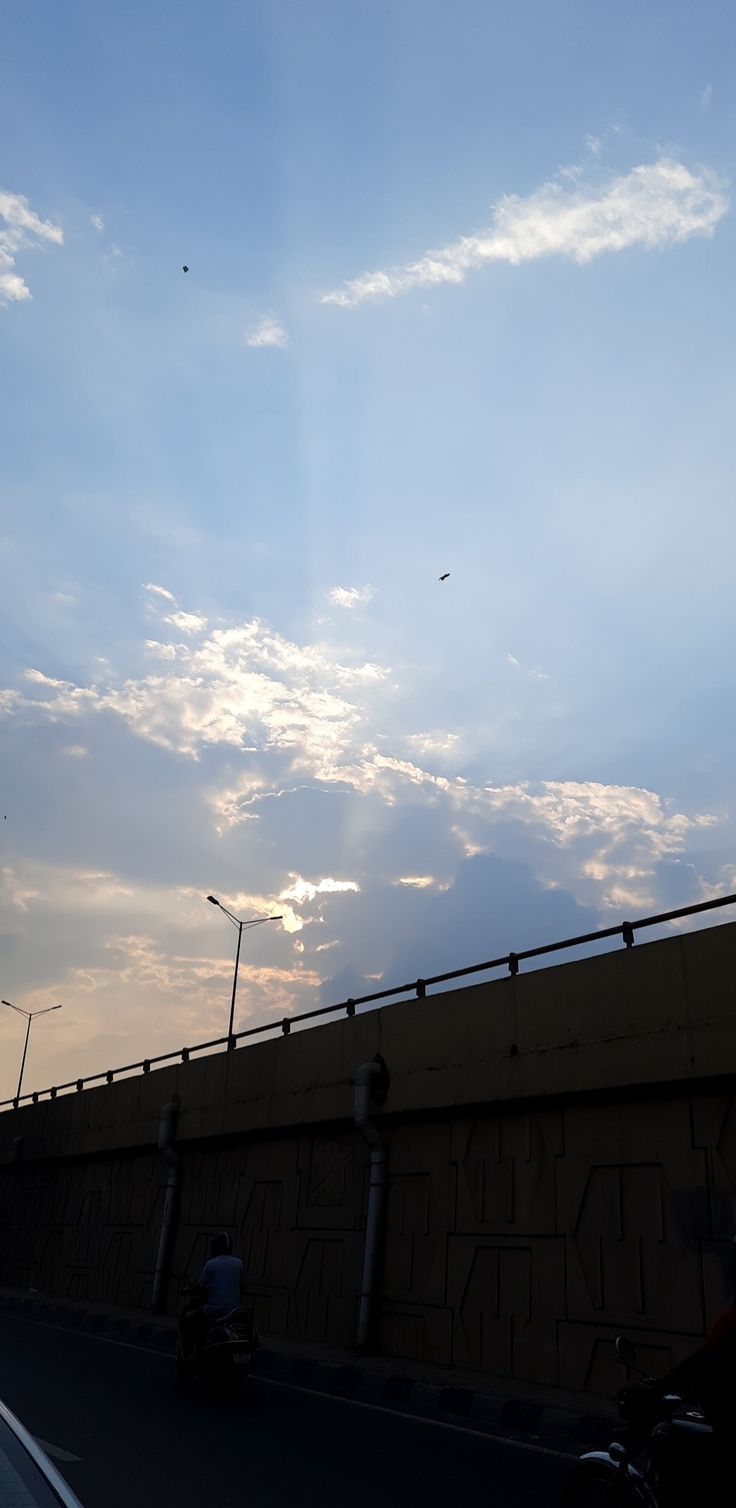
point(140, 1443)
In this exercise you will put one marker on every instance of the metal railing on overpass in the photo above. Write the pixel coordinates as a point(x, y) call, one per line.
point(418, 987)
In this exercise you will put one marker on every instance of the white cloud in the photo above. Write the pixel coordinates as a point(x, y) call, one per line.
point(305, 890)
point(159, 591)
point(347, 596)
point(654, 205)
point(163, 651)
point(268, 332)
point(187, 623)
point(75, 751)
point(416, 881)
point(20, 230)
point(433, 743)
point(97, 223)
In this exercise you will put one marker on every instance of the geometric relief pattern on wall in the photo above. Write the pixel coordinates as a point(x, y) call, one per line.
point(117, 1264)
point(633, 1203)
point(330, 1181)
point(212, 1176)
point(419, 1214)
point(726, 1140)
point(88, 1230)
point(260, 1226)
point(407, 1230)
point(506, 1171)
point(416, 1332)
point(508, 1231)
point(714, 1119)
point(318, 1291)
point(628, 1262)
point(506, 1293)
point(51, 1258)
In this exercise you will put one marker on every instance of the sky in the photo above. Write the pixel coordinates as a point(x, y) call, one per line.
point(459, 300)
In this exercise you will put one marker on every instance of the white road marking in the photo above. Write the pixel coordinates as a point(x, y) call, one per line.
point(55, 1450)
point(459, 1429)
point(294, 1387)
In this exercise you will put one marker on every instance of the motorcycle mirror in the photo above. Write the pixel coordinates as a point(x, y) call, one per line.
point(625, 1352)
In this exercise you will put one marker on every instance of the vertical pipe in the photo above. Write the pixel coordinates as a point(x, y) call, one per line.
point(166, 1129)
point(368, 1078)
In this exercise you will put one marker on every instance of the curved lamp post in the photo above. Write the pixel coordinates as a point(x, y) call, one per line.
point(30, 1018)
point(257, 921)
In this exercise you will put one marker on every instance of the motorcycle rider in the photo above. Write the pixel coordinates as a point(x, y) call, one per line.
point(217, 1292)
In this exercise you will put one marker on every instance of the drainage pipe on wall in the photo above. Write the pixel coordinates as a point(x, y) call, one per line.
point(166, 1132)
point(371, 1082)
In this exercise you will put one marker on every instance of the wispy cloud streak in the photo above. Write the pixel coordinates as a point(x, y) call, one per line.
point(654, 205)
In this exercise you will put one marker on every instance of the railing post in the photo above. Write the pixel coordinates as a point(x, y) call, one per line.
point(350, 1007)
point(627, 932)
point(513, 964)
point(286, 1027)
point(421, 988)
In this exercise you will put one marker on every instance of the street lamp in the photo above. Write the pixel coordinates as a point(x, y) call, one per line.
point(30, 1018)
point(256, 922)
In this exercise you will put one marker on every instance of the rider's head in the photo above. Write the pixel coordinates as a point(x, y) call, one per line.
point(222, 1245)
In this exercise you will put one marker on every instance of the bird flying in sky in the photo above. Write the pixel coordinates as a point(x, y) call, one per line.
point(444, 578)
point(185, 269)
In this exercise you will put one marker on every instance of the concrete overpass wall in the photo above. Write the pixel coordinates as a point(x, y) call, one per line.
point(561, 1158)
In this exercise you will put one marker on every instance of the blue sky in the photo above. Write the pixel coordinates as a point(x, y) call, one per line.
point(459, 298)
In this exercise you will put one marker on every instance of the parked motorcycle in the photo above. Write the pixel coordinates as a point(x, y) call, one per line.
point(662, 1457)
point(226, 1356)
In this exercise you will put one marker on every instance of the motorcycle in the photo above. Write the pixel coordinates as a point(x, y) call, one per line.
point(662, 1457)
point(225, 1357)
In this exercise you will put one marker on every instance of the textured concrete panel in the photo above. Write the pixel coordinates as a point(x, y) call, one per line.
point(632, 1202)
point(416, 1333)
point(506, 1171)
point(506, 1295)
point(419, 1213)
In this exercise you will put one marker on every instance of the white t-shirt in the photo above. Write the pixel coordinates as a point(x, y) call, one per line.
point(222, 1279)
